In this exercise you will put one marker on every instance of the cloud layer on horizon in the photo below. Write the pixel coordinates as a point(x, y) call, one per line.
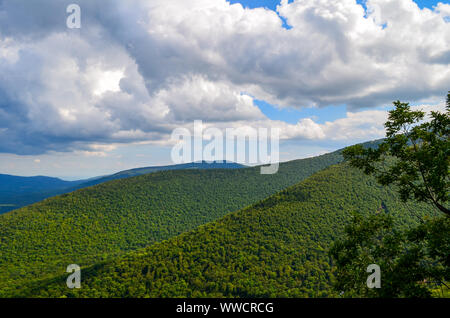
point(137, 70)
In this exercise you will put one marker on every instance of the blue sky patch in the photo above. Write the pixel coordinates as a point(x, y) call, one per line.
point(292, 116)
point(272, 4)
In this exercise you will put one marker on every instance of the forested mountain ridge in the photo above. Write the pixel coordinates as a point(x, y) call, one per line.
point(103, 221)
point(275, 248)
point(146, 170)
point(17, 192)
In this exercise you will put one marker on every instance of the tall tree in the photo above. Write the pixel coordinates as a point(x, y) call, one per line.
point(418, 155)
point(415, 158)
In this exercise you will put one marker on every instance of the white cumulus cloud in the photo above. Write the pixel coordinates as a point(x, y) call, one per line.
point(137, 70)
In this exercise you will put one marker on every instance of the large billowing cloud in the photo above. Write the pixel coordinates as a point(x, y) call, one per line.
point(137, 69)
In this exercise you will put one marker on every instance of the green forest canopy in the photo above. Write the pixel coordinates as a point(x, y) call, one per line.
point(101, 222)
point(276, 248)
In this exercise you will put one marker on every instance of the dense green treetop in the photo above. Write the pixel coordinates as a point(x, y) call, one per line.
point(414, 262)
point(418, 153)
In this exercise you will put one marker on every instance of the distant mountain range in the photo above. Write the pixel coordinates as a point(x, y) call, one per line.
point(20, 185)
point(16, 192)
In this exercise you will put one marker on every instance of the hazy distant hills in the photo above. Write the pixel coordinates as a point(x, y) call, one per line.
point(106, 220)
point(16, 192)
point(14, 184)
point(275, 248)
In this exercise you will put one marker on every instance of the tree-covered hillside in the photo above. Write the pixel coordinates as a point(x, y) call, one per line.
point(203, 165)
point(100, 222)
point(17, 192)
point(276, 248)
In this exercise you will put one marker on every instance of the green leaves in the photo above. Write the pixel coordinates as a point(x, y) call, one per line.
point(448, 101)
point(412, 262)
point(414, 156)
point(402, 119)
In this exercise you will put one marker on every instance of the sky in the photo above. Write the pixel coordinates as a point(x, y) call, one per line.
point(78, 103)
point(272, 4)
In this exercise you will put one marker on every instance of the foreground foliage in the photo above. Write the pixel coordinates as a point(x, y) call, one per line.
point(414, 262)
point(418, 153)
